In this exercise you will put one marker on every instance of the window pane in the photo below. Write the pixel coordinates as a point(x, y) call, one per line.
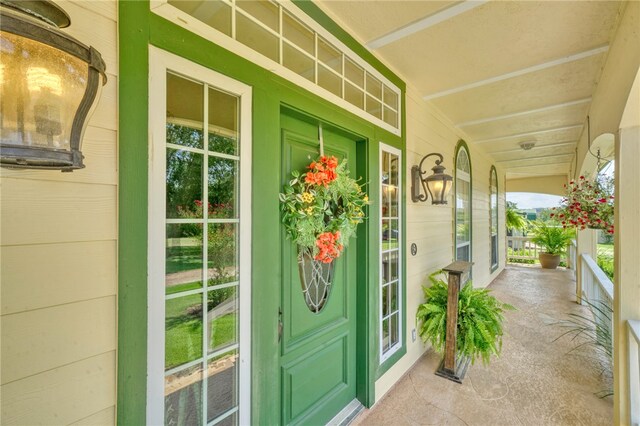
point(354, 72)
point(256, 37)
point(385, 268)
point(386, 234)
point(329, 80)
point(183, 397)
point(353, 95)
point(222, 305)
point(393, 166)
point(386, 201)
point(214, 13)
point(223, 122)
point(183, 327)
point(222, 384)
point(393, 197)
point(183, 265)
point(329, 55)
point(394, 325)
point(374, 107)
point(385, 301)
point(223, 184)
point(185, 111)
point(298, 62)
point(222, 253)
point(390, 98)
point(184, 184)
point(298, 33)
point(393, 296)
point(393, 265)
point(265, 11)
point(384, 172)
point(385, 335)
point(374, 86)
point(390, 117)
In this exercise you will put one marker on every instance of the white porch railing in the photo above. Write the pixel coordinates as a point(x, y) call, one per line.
point(597, 289)
point(521, 248)
point(634, 370)
point(572, 257)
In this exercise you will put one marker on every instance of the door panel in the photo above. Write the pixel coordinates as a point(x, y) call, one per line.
point(317, 349)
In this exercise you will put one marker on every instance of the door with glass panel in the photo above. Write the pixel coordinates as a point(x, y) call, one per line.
point(318, 338)
point(200, 304)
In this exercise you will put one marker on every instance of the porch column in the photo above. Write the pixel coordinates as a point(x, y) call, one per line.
point(586, 243)
point(626, 250)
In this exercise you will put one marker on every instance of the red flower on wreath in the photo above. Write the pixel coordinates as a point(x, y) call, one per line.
point(328, 246)
point(322, 172)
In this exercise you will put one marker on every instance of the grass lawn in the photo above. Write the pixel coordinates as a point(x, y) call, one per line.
point(184, 330)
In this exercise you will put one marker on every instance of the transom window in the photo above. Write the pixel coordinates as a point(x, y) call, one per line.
point(463, 204)
point(306, 52)
point(391, 252)
point(493, 217)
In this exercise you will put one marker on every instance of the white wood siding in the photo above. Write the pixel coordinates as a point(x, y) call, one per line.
point(431, 227)
point(58, 237)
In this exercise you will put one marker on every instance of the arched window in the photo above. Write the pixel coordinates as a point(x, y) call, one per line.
point(493, 217)
point(463, 203)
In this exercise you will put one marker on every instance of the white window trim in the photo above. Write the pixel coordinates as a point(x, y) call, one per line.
point(493, 189)
point(159, 63)
point(464, 176)
point(395, 348)
point(183, 19)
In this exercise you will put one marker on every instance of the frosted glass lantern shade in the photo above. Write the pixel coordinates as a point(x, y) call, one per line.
point(49, 84)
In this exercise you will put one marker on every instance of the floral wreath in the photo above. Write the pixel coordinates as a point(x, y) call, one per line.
point(321, 208)
point(587, 204)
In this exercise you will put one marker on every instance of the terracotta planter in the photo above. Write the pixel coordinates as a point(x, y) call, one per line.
point(549, 261)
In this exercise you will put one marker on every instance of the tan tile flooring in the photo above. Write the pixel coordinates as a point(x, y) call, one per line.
point(536, 381)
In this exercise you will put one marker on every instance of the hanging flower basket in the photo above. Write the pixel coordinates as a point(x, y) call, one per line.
point(321, 209)
point(588, 204)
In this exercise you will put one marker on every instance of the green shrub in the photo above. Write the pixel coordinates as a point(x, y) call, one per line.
point(479, 333)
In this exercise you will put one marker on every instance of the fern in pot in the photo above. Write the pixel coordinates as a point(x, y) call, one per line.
point(553, 240)
point(480, 318)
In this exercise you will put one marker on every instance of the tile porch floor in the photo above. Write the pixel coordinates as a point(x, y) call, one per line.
point(534, 382)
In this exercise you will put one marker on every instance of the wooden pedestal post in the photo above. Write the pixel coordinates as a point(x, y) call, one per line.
point(451, 367)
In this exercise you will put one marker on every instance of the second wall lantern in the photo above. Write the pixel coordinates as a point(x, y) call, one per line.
point(436, 185)
point(49, 85)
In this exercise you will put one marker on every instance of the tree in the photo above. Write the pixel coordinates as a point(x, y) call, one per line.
point(513, 218)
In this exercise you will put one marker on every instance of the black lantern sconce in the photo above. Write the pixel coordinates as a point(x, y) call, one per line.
point(49, 86)
point(437, 185)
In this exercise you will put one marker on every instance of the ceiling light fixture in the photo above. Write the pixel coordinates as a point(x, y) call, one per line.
point(527, 145)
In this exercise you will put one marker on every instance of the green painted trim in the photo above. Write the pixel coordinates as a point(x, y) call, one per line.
point(493, 172)
point(318, 15)
point(133, 87)
point(461, 143)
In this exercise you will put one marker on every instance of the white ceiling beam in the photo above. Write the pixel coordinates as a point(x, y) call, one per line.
point(539, 67)
point(537, 132)
point(534, 174)
point(555, 145)
point(540, 157)
point(424, 23)
point(536, 165)
point(524, 113)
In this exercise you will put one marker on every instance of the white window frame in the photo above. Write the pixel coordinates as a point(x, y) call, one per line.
point(160, 62)
point(493, 189)
point(183, 19)
point(395, 348)
point(465, 176)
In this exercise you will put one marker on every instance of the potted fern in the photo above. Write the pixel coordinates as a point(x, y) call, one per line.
point(553, 240)
point(480, 317)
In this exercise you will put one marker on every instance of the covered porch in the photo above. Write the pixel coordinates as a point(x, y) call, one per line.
point(536, 380)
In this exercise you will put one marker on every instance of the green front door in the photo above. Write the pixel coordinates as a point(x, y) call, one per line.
point(317, 350)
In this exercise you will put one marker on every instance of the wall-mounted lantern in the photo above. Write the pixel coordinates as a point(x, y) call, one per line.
point(437, 185)
point(49, 85)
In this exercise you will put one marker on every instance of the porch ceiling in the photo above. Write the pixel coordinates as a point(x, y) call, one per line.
point(503, 72)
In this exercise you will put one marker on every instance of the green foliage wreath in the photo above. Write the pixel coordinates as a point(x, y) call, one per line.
point(321, 208)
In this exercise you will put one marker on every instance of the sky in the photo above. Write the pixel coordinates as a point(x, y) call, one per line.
point(527, 200)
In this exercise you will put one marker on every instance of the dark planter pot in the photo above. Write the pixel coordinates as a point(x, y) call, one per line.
point(549, 261)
